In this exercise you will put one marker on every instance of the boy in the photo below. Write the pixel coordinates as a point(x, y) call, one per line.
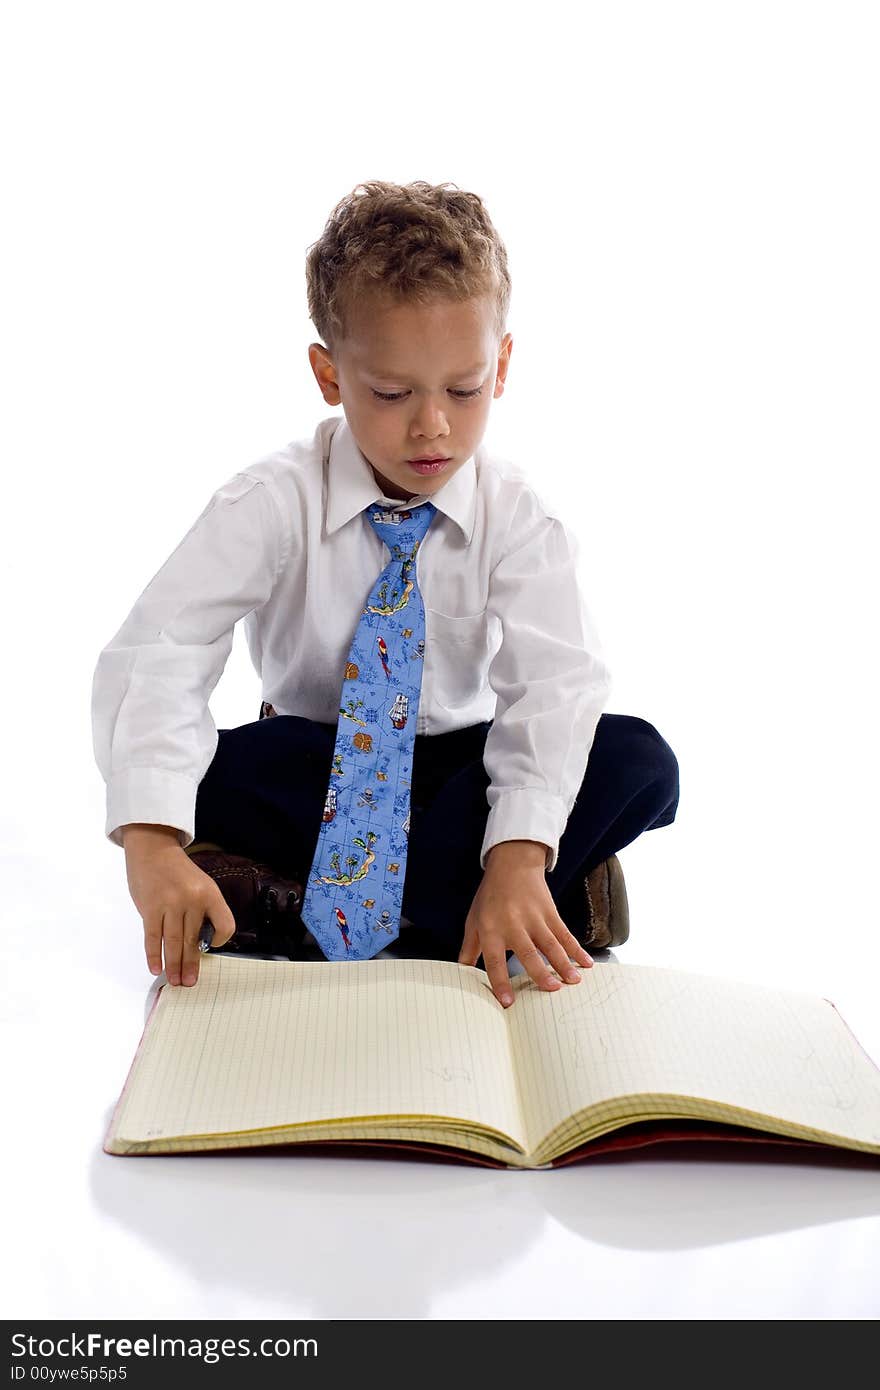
point(428, 708)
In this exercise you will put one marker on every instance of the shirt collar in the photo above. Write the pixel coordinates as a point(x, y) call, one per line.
point(352, 487)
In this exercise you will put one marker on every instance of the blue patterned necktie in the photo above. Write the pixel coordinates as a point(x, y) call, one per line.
point(354, 889)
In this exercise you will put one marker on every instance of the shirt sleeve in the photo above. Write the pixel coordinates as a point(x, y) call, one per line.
point(551, 683)
point(152, 732)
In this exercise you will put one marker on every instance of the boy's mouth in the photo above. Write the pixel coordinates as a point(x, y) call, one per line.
point(428, 466)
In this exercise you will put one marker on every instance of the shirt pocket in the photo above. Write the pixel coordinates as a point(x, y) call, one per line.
point(457, 655)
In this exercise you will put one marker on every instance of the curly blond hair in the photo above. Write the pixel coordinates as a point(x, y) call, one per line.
point(417, 242)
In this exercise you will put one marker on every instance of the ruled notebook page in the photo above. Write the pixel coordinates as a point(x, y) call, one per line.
point(258, 1044)
point(637, 1029)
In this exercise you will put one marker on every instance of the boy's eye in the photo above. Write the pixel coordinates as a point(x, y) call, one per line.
point(399, 395)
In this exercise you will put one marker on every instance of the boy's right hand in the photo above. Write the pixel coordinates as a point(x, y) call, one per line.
point(173, 896)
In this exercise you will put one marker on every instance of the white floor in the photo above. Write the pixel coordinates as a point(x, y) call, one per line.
point(658, 1235)
point(695, 394)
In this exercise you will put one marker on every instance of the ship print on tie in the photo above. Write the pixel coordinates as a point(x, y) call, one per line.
point(354, 889)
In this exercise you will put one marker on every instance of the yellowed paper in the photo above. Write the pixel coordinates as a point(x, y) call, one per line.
point(263, 1044)
point(637, 1030)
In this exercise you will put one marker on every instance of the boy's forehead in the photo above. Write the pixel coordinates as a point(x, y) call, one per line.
point(453, 338)
point(389, 356)
point(388, 369)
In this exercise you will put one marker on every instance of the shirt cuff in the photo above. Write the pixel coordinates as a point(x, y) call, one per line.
point(525, 813)
point(151, 796)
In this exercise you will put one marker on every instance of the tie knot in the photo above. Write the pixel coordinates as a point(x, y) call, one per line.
point(400, 527)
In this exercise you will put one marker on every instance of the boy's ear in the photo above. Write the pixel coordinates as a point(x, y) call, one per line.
point(503, 364)
point(325, 373)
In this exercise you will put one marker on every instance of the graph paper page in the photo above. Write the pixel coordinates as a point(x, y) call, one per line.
point(636, 1029)
point(256, 1044)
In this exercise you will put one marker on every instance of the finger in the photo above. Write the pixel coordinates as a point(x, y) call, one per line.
point(558, 956)
point(534, 963)
point(495, 963)
point(172, 942)
point(192, 922)
point(153, 942)
point(572, 946)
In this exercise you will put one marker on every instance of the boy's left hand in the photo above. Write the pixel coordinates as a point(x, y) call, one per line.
point(513, 910)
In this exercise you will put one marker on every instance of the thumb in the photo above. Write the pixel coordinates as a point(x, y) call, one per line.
point(470, 946)
point(220, 916)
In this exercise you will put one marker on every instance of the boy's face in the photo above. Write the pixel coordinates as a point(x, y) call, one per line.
point(443, 365)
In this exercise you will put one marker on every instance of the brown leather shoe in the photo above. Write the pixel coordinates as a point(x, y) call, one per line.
point(607, 906)
point(265, 905)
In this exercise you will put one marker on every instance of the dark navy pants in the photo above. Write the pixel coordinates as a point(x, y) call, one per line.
point(263, 796)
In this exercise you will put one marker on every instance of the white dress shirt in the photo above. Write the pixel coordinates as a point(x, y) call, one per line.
point(284, 545)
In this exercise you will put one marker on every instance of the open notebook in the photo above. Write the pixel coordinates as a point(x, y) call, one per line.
point(407, 1053)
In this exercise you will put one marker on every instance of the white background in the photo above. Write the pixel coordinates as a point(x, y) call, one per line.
point(688, 195)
